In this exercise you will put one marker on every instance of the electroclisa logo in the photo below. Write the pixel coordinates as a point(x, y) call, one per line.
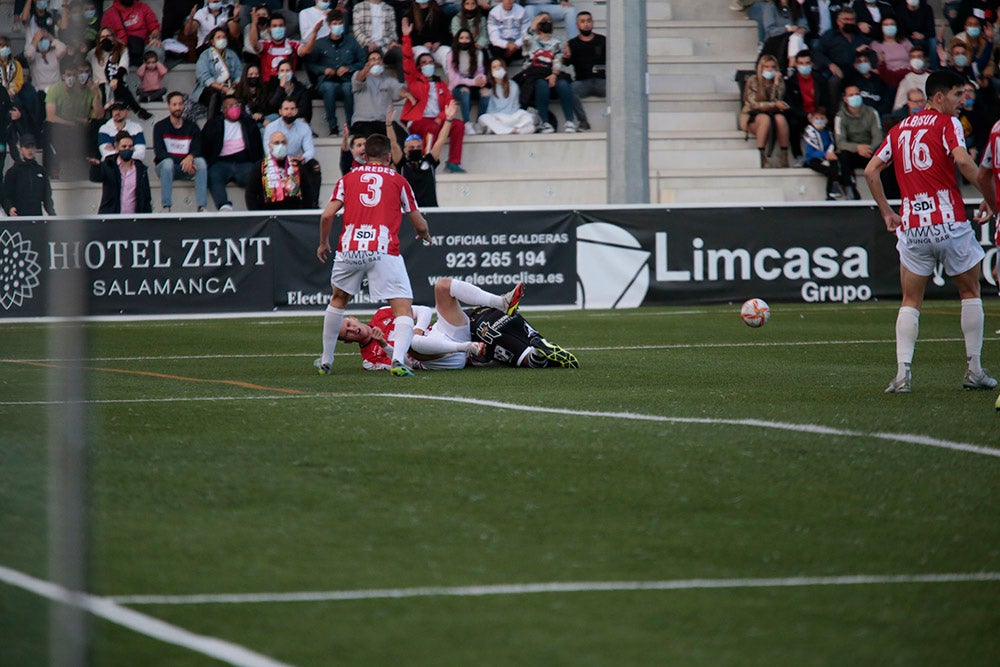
point(19, 270)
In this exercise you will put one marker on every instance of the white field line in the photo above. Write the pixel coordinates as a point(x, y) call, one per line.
point(554, 587)
point(351, 351)
point(815, 429)
point(112, 611)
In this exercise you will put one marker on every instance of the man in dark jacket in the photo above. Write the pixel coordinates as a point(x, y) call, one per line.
point(26, 188)
point(834, 52)
point(125, 180)
point(805, 91)
point(231, 144)
point(332, 64)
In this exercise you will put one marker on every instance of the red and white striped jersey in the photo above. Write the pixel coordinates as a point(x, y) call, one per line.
point(920, 147)
point(991, 160)
point(374, 197)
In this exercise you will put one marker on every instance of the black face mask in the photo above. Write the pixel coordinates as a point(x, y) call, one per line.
point(107, 44)
point(126, 3)
point(414, 155)
point(253, 81)
point(850, 28)
point(586, 33)
point(465, 47)
point(546, 27)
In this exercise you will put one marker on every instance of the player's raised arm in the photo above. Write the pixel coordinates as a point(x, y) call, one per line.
point(326, 226)
point(420, 224)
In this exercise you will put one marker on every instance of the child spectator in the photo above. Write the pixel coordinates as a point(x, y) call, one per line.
point(151, 73)
point(820, 152)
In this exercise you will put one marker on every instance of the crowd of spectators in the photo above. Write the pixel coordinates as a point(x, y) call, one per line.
point(859, 68)
point(88, 66)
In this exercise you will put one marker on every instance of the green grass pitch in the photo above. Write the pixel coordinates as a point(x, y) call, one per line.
point(221, 464)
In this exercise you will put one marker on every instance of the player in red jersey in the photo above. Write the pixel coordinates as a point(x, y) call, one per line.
point(372, 197)
point(989, 183)
point(931, 226)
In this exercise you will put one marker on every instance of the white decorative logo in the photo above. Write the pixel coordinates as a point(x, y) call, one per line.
point(612, 267)
point(19, 270)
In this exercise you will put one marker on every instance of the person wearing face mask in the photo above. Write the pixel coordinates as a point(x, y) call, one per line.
point(893, 53)
point(587, 53)
point(561, 12)
point(120, 122)
point(875, 92)
point(106, 58)
point(135, 25)
point(333, 63)
point(11, 72)
point(43, 55)
point(177, 154)
point(916, 22)
point(467, 77)
point(417, 165)
point(69, 106)
point(231, 145)
point(959, 61)
point(217, 71)
point(301, 148)
point(821, 153)
point(374, 90)
point(80, 33)
point(125, 180)
point(978, 36)
point(870, 14)
point(504, 114)
point(318, 13)
point(38, 15)
point(279, 48)
point(858, 131)
point(543, 76)
point(427, 115)
point(805, 91)
point(275, 182)
point(215, 14)
point(26, 188)
point(431, 33)
point(374, 28)
point(286, 86)
point(914, 80)
point(252, 94)
point(835, 51)
point(472, 17)
point(764, 109)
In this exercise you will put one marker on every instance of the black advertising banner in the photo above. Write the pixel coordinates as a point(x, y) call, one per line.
point(493, 250)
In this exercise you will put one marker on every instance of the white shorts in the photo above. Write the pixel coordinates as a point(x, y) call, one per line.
point(387, 278)
point(954, 244)
point(444, 329)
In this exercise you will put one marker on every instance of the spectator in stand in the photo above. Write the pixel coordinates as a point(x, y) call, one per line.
point(109, 63)
point(835, 51)
point(916, 78)
point(374, 90)
point(214, 15)
point(318, 13)
point(870, 14)
point(261, 17)
point(893, 53)
point(858, 131)
point(301, 149)
point(151, 73)
point(252, 94)
point(959, 61)
point(276, 181)
point(821, 153)
point(26, 188)
point(14, 126)
point(985, 10)
point(69, 107)
point(231, 143)
point(38, 15)
point(764, 110)
point(286, 86)
point(11, 71)
point(504, 114)
point(917, 24)
point(80, 33)
point(978, 36)
point(472, 17)
point(563, 12)
point(805, 91)
point(916, 101)
point(875, 92)
point(125, 179)
point(418, 167)
point(467, 77)
point(425, 112)
point(967, 117)
point(279, 48)
point(134, 23)
point(352, 149)
point(333, 63)
point(119, 123)
point(175, 17)
point(450, 8)
point(374, 28)
point(784, 29)
point(507, 25)
point(587, 53)
point(43, 55)
point(821, 16)
point(430, 30)
point(217, 71)
point(177, 154)
point(543, 74)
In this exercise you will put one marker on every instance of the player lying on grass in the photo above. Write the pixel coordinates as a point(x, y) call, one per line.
point(494, 334)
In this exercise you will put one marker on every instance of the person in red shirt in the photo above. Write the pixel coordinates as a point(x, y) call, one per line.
point(135, 24)
point(805, 90)
point(372, 197)
point(931, 226)
point(278, 48)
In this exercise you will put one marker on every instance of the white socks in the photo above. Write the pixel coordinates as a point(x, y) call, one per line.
point(470, 294)
point(403, 334)
point(907, 325)
point(972, 329)
point(332, 321)
point(436, 345)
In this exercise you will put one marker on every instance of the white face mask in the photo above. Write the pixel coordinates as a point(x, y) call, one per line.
point(221, 44)
point(917, 63)
point(499, 74)
point(279, 151)
point(913, 4)
point(427, 70)
point(377, 70)
point(768, 74)
point(819, 123)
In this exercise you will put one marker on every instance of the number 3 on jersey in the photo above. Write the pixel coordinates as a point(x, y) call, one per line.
point(916, 154)
point(373, 195)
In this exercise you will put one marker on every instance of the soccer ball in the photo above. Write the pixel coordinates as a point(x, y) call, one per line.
point(755, 313)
